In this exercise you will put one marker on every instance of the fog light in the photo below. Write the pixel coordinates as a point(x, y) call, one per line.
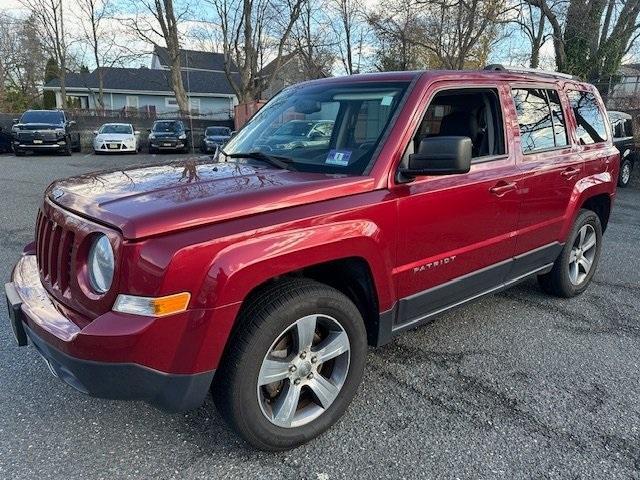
point(152, 306)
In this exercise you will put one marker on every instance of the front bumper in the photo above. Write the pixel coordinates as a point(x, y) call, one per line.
point(114, 147)
point(169, 144)
point(34, 316)
point(40, 146)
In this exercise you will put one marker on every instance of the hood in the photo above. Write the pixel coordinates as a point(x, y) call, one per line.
point(38, 126)
point(217, 138)
point(157, 199)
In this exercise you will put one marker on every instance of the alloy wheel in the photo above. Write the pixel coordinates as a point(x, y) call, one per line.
point(625, 174)
point(582, 254)
point(303, 371)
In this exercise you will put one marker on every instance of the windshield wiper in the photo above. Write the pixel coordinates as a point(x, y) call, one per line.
point(277, 161)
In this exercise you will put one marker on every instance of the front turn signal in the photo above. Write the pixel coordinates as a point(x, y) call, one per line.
point(152, 306)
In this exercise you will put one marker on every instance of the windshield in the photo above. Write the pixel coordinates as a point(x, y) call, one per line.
point(322, 127)
point(114, 128)
point(166, 127)
point(217, 132)
point(42, 116)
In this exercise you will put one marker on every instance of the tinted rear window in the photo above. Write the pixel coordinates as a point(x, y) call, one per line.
point(589, 118)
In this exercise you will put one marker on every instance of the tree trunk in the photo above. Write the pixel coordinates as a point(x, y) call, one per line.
point(178, 85)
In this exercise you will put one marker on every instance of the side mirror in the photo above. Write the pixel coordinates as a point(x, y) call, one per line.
point(233, 133)
point(187, 130)
point(149, 130)
point(95, 132)
point(71, 123)
point(440, 156)
point(16, 120)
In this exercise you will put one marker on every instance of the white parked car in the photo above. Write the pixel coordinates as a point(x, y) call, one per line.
point(116, 137)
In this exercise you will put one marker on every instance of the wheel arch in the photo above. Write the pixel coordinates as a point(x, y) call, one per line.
point(600, 204)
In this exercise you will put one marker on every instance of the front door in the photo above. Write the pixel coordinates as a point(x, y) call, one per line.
point(457, 232)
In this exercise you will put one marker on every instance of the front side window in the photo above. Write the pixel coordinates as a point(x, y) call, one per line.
point(589, 119)
point(473, 113)
point(322, 127)
point(540, 119)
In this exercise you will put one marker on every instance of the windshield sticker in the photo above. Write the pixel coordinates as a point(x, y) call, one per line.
point(338, 157)
point(386, 100)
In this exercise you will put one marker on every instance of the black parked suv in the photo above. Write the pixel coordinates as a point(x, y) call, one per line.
point(622, 129)
point(213, 138)
point(168, 135)
point(45, 130)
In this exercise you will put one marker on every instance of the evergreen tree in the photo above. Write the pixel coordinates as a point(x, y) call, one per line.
point(51, 71)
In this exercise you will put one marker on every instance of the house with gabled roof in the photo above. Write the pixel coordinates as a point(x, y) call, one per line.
point(149, 89)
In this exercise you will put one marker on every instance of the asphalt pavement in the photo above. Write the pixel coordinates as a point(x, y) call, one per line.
point(517, 385)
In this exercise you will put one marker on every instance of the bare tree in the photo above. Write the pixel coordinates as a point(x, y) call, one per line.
point(311, 40)
point(48, 17)
point(163, 26)
point(452, 34)
point(100, 39)
point(591, 38)
point(533, 24)
point(349, 28)
point(399, 34)
point(22, 61)
point(460, 33)
point(252, 31)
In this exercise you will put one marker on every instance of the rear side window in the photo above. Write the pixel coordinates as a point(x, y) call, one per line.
point(540, 117)
point(589, 119)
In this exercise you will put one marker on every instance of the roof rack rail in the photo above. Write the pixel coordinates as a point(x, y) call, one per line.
point(497, 67)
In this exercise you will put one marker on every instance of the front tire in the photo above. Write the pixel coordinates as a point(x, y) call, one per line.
point(293, 365)
point(625, 172)
point(575, 266)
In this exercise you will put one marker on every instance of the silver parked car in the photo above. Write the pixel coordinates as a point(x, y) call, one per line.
point(116, 138)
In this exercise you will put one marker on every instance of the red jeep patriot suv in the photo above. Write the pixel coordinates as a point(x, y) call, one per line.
point(262, 274)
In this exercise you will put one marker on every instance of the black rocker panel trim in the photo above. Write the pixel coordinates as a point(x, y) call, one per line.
point(423, 306)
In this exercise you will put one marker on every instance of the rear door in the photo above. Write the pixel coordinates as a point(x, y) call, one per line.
point(550, 165)
point(456, 232)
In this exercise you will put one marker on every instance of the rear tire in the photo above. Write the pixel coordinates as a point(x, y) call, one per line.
point(271, 330)
point(625, 172)
point(575, 266)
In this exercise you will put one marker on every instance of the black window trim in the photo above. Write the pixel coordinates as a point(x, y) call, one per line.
point(569, 144)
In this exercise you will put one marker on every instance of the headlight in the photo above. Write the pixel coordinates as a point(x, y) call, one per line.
point(59, 131)
point(151, 136)
point(183, 136)
point(98, 138)
point(101, 264)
